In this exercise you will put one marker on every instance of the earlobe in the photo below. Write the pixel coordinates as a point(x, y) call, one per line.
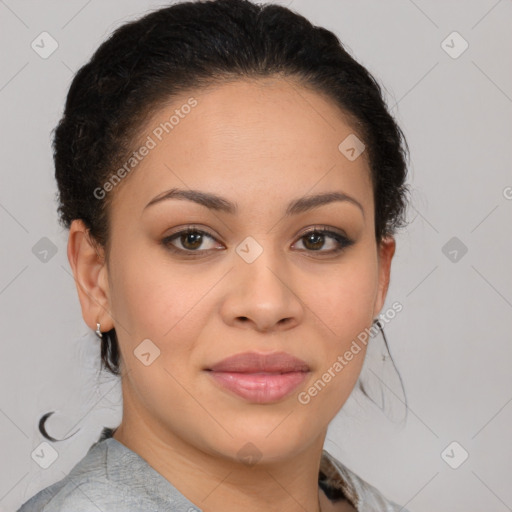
point(89, 268)
point(386, 250)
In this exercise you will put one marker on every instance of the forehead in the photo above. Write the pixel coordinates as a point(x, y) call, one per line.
point(262, 138)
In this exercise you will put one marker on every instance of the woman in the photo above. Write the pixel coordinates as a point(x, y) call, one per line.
point(231, 181)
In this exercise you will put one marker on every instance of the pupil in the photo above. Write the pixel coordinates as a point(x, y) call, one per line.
point(318, 238)
point(192, 236)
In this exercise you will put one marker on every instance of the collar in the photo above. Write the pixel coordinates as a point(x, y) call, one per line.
point(335, 480)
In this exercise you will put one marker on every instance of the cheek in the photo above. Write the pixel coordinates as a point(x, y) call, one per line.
point(343, 308)
point(345, 299)
point(155, 300)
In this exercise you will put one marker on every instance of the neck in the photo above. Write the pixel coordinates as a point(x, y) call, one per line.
point(215, 483)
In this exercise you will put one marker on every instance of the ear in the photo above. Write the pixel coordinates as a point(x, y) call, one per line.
point(89, 268)
point(386, 250)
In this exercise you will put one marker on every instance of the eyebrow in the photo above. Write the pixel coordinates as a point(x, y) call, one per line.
point(218, 203)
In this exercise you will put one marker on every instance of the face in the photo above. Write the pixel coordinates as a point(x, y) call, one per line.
point(253, 275)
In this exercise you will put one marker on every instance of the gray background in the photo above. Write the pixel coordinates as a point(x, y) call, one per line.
point(451, 342)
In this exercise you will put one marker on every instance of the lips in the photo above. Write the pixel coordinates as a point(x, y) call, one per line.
point(260, 378)
point(252, 362)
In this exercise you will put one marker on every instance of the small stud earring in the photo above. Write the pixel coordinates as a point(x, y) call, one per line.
point(98, 332)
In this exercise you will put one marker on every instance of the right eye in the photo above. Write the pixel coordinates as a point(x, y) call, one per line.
point(190, 239)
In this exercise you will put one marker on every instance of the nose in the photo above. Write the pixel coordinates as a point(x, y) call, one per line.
point(261, 295)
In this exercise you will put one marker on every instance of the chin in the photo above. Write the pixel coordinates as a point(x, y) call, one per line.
point(263, 444)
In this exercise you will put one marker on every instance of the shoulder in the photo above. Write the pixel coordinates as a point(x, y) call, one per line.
point(79, 496)
point(364, 496)
point(87, 496)
point(90, 486)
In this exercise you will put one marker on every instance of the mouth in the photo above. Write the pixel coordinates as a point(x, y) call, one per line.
point(260, 378)
point(259, 387)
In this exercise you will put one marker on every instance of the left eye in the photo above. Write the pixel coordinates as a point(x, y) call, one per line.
point(316, 237)
point(192, 239)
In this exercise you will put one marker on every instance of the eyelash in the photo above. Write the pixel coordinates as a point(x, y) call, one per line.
point(343, 241)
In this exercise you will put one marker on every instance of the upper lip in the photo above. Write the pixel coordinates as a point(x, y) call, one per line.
point(252, 362)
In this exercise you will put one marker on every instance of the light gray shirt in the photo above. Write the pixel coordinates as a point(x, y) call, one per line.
point(113, 478)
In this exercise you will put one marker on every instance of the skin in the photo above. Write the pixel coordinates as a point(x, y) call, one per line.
point(261, 144)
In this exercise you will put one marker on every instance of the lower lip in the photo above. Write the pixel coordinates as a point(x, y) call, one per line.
point(258, 387)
